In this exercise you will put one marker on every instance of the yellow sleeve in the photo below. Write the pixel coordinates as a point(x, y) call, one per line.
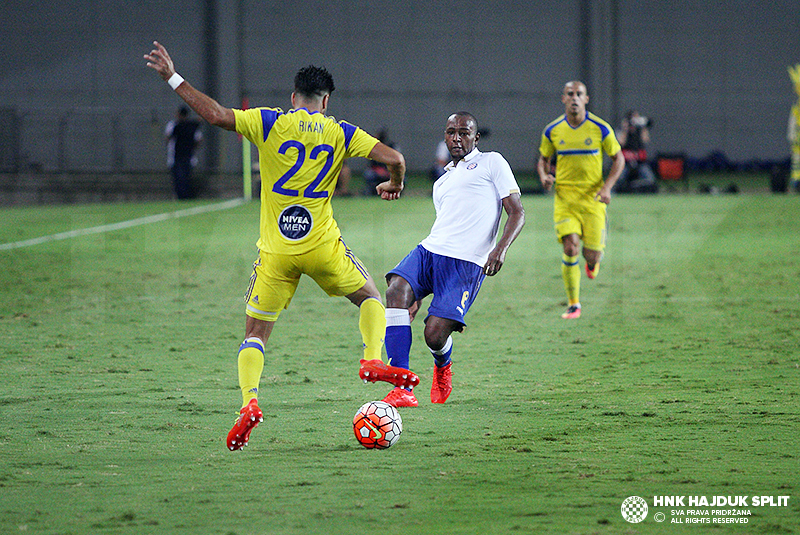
point(250, 124)
point(546, 148)
point(361, 143)
point(610, 143)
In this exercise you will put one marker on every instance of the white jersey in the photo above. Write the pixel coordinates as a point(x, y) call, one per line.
point(468, 199)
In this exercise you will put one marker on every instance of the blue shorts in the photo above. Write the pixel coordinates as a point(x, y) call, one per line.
point(454, 283)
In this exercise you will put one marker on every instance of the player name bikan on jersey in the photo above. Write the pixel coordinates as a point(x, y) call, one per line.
point(310, 126)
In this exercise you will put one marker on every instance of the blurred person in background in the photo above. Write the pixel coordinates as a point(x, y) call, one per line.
point(183, 136)
point(343, 183)
point(634, 136)
point(376, 172)
point(441, 159)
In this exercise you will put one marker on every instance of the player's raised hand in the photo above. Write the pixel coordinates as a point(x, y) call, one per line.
point(389, 191)
point(158, 59)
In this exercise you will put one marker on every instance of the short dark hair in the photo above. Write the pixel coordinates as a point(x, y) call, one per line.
point(469, 116)
point(313, 81)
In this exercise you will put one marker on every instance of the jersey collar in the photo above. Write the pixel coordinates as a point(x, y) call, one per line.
point(305, 110)
point(474, 153)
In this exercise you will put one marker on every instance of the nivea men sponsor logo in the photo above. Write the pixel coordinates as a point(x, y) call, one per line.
point(295, 222)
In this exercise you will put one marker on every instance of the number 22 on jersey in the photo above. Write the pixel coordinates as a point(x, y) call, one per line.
point(311, 190)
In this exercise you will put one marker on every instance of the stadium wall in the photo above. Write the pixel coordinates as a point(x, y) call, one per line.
point(23, 188)
point(76, 96)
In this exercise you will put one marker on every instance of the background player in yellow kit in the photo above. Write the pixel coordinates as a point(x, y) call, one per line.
point(793, 131)
point(300, 153)
point(578, 139)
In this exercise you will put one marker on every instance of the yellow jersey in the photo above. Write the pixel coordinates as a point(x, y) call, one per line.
point(579, 151)
point(300, 156)
point(794, 124)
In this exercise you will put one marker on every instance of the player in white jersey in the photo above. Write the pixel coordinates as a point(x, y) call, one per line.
point(451, 263)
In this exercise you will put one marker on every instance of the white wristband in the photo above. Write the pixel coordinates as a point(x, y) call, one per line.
point(175, 80)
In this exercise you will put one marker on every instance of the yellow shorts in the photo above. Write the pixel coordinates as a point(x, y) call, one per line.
point(577, 212)
point(275, 277)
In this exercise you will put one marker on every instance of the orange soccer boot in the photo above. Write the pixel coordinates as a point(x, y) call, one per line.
point(249, 417)
point(400, 397)
point(442, 383)
point(375, 370)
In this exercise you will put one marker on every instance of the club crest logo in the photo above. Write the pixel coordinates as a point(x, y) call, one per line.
point(472, 166)
point(634, 509)
point(588, 141)
point(295, 222)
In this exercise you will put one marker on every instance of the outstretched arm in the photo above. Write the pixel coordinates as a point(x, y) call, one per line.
point(516, 219)
point(206, 107)
point(396, 164)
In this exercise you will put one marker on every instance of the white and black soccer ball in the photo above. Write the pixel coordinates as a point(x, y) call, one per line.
point(377, 425)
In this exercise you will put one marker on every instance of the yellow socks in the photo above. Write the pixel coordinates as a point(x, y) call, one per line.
point(251, 364)
point(372, 324)
point(571, 273)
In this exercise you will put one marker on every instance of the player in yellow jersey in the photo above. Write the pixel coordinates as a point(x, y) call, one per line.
point(579, 139)
point(301, 153)
point(793, 130)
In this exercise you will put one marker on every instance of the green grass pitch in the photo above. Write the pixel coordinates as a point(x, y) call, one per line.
point(119, 381)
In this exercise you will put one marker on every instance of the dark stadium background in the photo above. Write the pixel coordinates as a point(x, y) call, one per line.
point(76, 97)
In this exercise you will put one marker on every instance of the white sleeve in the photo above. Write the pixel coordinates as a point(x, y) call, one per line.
point(503, 176)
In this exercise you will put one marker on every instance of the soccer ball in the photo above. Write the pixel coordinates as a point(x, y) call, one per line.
point(377, 425)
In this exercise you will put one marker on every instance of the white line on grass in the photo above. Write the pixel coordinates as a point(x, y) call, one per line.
point(122, 224)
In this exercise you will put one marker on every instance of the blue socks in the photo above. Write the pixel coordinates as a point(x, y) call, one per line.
point(442, 356)
point(398, 337)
